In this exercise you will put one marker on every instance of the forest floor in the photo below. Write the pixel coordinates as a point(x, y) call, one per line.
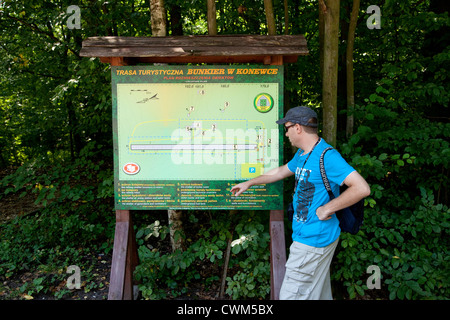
point(12, 287)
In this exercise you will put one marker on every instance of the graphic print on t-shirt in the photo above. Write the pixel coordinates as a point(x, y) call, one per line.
point(305, 196)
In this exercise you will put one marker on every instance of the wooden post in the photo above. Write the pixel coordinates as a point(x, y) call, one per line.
point(277, 240)
point(124, 259)
point(277, 253)
point(125, 256)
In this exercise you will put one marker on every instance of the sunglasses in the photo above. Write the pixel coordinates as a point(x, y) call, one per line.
point(287, 127)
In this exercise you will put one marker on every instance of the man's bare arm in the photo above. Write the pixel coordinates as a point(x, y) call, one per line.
point(273, 175)
point(357, 190)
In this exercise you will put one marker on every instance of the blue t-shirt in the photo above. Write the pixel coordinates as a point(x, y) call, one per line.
point(311, 194)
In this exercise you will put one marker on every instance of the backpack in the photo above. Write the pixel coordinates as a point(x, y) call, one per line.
point(350, 218)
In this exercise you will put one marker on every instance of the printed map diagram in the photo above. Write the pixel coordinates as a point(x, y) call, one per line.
point(197, 131)
point(184, 135)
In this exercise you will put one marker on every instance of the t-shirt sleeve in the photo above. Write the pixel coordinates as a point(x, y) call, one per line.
point(336, 167)
point(292, 165)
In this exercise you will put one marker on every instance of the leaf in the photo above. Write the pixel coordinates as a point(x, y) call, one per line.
point(176, 269)
point(415, 286)
point(373, 97)
point(360, 290)
point(140, 233)
point(393, 294)
point(436, 229)
point(401, 292)
point(351, 292)
point(236, 249)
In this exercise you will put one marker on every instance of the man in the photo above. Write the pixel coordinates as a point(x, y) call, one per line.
point(315, 226)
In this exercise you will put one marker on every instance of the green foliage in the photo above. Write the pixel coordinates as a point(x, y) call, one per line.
point(405, 160)
point(402, 148)
point(201, 263)
point(252, 280)
point(74, 219)
point(80, 181)
point(51, 242)
point(410, 247)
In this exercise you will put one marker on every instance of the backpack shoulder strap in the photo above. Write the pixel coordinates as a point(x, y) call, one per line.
point(324, 175)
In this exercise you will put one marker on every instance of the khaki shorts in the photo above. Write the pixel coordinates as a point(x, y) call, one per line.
point(308, 273)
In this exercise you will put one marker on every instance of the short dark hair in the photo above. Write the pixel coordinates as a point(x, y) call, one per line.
point(313, 127)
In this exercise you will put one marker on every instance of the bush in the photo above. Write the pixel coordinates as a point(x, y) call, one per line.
point(167, 274)
point(410, 247)
point(406, 231)
point(73, 221)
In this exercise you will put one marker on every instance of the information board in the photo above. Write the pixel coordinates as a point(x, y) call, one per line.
point(184, 135)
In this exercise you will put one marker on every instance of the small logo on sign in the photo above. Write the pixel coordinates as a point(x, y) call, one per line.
point(131, 168)
point(263, 102)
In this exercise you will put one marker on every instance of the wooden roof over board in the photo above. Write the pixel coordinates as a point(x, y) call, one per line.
point(196, 49)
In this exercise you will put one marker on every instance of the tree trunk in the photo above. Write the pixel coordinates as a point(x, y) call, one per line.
point(176, 20)
point(322, 10)
point(212, 25)
point(330, 70)
point(270, 17)
point(158, 18)
point(176, 229)
point(349, 68)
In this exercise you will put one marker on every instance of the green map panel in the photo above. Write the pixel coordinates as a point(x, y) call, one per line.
point(206, 126)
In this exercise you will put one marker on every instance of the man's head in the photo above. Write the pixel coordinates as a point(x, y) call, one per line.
point(302, 115)
point(299, 123)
